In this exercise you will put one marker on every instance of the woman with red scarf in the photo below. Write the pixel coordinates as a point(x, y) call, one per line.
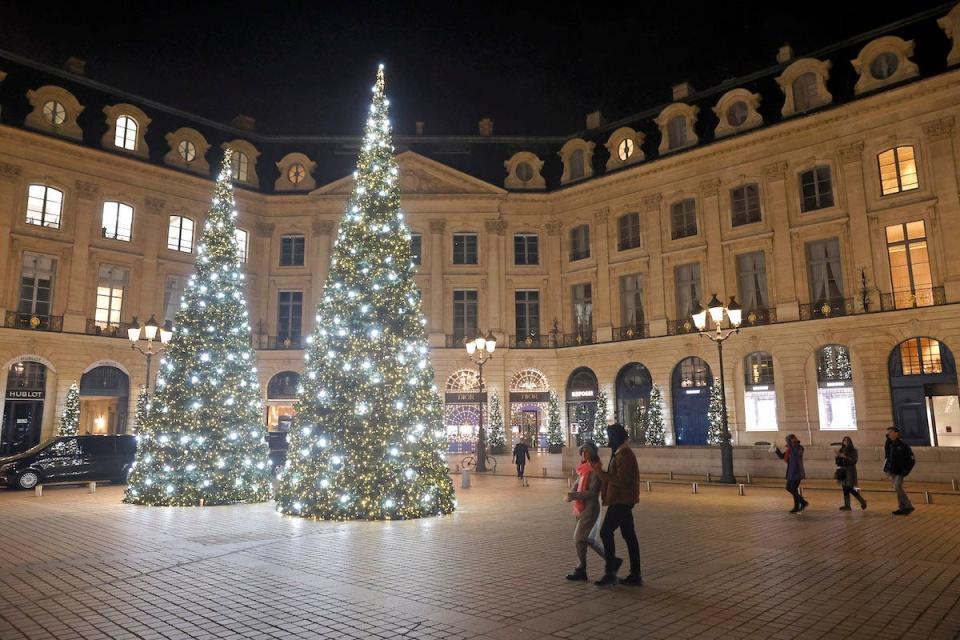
point(586, 507)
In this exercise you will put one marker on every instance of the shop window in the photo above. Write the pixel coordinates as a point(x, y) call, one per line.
point(835, 397)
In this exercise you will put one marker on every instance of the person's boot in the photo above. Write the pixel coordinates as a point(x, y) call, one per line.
point(846, 502)
point(862, 501)
point(633, 580)
point(608, 580)
point(803, 504)
point(580, 573)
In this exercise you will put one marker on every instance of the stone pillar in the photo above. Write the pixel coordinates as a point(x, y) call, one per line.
point(74, 319)
point(322, 230)
point(9, 179)
point(783, 297)
point(943, 162)
point(495, 233)
point(711, 275)
point(151, 293)
point(601, 297)
point(435, 322)
point(259, 260)
point(851, 162)
point(554, 293)
point(653, 292)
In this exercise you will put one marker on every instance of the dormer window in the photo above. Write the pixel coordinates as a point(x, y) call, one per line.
point(296, 173)
point(883, 62)
point(577, 157)
point(240, 166)
point(125, 133)
point(187, 151)
point(625, 149)
point(54, 113)
point(677, 132)
point(243, 164)
point(804, 91)
point(804, 86)
point(623, 145)
point(676, 124)
point(523, 171)
point(737, 113)
point(576, 164)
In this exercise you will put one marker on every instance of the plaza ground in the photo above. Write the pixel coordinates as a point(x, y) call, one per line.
point(716, 565)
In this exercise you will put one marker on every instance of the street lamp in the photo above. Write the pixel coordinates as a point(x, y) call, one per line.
point(734, 312)
point(480, 351)
point(149, 330)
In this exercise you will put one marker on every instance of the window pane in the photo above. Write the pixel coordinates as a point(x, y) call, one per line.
point(760, 408)
point(241, 237)
point(416, 248)
point(916, 230)
point(837, 408)
point(895, 233)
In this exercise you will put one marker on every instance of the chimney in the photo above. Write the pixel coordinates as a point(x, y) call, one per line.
point(595, 120)
point(785, 54)
point(75, 66)
point(486, 127)
point(419, 124)
point(244, 123)
point(682, 91)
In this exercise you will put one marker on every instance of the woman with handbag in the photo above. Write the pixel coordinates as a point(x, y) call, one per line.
point(846, 474)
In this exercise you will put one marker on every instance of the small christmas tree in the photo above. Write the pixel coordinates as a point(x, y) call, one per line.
point(497, 437)
point(600, 420)
point(637, 424)
point(715, 416)
point(143, 407)
point(554, 433)
point(654, 433)
point(70, 418)
point(583, 418)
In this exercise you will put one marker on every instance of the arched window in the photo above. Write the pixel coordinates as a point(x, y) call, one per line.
point(759, 396)
point(180, 234)
point(804, 91)
point(898, 170)
point(634, 385)
point(44, 206)
point(283, 386)
point(117, 221)
point(240, 165)
point(924, 393)
point(54, 112)
point(677, 132)
point(691, 382)
point(835, 389)
point(920, 356)
point(576, 164)
point(125, 133)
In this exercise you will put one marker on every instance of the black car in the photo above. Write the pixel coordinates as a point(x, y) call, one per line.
point(70, 459)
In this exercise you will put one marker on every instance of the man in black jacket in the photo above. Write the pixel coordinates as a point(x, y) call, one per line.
point(899, 462)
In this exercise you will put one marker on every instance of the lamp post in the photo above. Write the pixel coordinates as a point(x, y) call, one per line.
point(480, 351)
point(720, 335)
point(149, 330)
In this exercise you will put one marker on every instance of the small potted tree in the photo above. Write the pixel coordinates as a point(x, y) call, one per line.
point(554, 434)
point(497, 436)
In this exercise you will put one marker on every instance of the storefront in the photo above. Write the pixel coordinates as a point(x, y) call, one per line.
point(634, 385)
point(529, 399)
point(691, 400)
point(281, 396)
point(462, 400)
point(923, 387)
point(23, 407)
point(582, 389)
point(104, 398)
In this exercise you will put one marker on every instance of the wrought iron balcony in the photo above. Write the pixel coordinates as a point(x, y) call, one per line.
point(107, 329)
point(928, 297)
point(578, 339)
point(532, 342)
point(280, 343)
point(632, 332)
point(680, 327)
point(827, 309)
point(33, 321)
point(756, 317)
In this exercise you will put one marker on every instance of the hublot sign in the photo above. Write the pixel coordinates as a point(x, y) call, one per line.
point(24, 394)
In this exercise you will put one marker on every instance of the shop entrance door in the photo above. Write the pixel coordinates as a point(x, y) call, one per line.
point(530, 428)
point(21, 426)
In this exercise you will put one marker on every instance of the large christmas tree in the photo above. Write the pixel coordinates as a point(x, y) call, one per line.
point(70, 418)
point(715, 416)
point(367, 442)
point(554, 432)
point(203, 439)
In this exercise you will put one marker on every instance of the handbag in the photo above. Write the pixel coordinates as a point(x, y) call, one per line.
point(840, 461)
point(840, 474)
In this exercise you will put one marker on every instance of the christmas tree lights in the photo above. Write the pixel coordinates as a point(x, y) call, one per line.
point(368, 439)
point(715, 416)
point(70, 418)
point(203, 441)
point(600, 420)
point(143, 407)
point(654, 432)
point(554, 432)
point(497, 436)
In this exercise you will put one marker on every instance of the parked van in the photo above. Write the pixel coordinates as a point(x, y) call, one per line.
point(70, 459)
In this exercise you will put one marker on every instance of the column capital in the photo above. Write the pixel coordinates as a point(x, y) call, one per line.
point(652, 202)
point(939, 129)
point(554, 227)
point(10, 171)
point(497, 227)
point(775, 170)
point(710, 187)
point(437, 225)
point(87, 190)
point(852, 152)
point(602, 215)
point(322, 228)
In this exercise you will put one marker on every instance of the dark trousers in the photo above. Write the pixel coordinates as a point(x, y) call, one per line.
point(520, 467)
point(793, 488)
point(851, 491)
point(620, 516)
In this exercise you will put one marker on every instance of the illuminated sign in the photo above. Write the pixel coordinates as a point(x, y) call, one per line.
point(24, 394)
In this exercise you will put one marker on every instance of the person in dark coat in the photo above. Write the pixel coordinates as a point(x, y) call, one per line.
point(847, 473)
point(898, 464)
point(793, 456)
point(521, 453)
point(620, 492)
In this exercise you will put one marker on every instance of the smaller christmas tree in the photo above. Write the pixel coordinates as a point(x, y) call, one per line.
point(143, 407)
point(70, 418)
point(654, 434)
point(554, 433)
point(497, 437)
point(600, 420)
point(715, 416)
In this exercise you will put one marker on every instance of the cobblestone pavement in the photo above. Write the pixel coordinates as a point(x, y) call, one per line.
point(716, 565)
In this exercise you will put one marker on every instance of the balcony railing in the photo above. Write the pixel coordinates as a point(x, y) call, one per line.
point(827, 309)
point(107, 329)
point(756, 317)
point(279, 343)
point(33, 321)
point(680, 327)
point(532, 342)
point(579, 338)
point(630, 333)
point(929, 297)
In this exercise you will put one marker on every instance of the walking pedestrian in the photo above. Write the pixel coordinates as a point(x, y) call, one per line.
point(620, 492)
point(846, 473)
point(898, 464)
point(586, 507)
point(521, 453)
point(793, 456)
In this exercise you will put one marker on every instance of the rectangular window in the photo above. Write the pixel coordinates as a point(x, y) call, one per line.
point(687, 281)
point(172, 292)
point(628, 226)
point(526, 249)
point(677, 132)
point(631, 302)
point(464, 248)
point(528, 313)
point(752, 281)
point(241, 237)
point(465, 314)
point(180, 234)
point(292, 249)
point(416, 248)
point(760, 408)
point(683, 219)
point(289, 316)
point(111, 283)
point(825, 275)
point(117, 221)
point(583, 309)
point(898, 170)
point(835, 399)
point(44, 206)
point(816, 189)
point(909, 265)
point(745, 205)
point(804, 92)
point(580, 242)
point(36, 284)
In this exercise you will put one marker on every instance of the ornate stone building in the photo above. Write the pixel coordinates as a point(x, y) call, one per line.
point(822, 195)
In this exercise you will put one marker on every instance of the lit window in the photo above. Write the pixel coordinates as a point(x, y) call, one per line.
point(44, 205)
point(920, 356)
point(180, 234)
point(625, 149)
point(759, 397)
point(241, 237)
point(296, 173)
point(835, 398)
point(898, 170)
point(110, 286)
point(125, 134)
point(240, 165)
point(54, 112)
point(187, 150)
point(117, 221)
point(745, 205)
point(910, 265)
point(816, 190)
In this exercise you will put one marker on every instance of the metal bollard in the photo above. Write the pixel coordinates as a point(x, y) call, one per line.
point(927, 498)
point(458, 469)
point(740, 489)
point(38, 490)
point(748, 479)
point(669, 475)
point(544, 472)
point(465, 479)
point(649, 486)
point(956, 485)
point(694, 487)
point(92, 487)
point(708, 476)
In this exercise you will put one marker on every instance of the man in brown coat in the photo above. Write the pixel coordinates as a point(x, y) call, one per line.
point(620, 491)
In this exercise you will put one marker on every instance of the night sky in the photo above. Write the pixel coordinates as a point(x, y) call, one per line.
point(306, 68)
